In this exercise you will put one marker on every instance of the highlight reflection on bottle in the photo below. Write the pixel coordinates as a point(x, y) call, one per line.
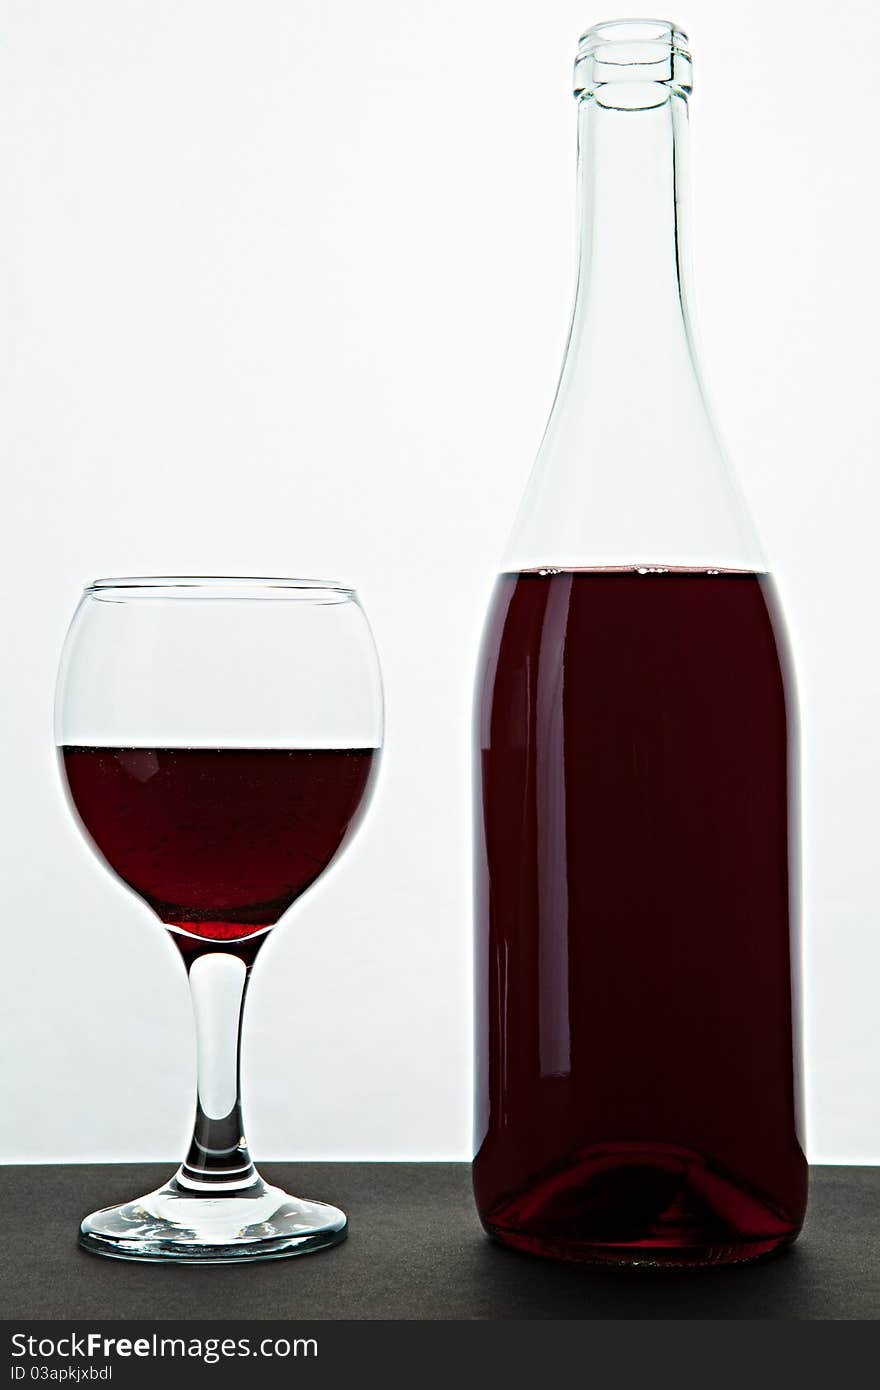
point(637, 878)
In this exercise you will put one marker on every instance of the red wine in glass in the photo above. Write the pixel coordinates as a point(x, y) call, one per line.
point(219, 841)
point(635, 898)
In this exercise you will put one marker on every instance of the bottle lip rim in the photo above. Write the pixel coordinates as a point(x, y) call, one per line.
point(622, 34)
point(633, 51)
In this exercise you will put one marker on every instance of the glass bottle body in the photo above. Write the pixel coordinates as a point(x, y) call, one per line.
point(635, 870)
point(636, 831)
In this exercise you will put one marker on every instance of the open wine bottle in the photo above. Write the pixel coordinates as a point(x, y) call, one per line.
point(638, 1092)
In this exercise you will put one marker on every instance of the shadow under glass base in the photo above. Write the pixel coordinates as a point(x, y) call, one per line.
point(178, 1223)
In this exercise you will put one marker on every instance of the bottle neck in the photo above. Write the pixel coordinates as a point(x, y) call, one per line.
point(630, 470)
point(630, 304)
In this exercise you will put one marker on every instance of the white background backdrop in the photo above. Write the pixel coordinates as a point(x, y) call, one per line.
point(287, 290)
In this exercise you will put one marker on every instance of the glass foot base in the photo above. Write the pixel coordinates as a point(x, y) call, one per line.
point(178, 1223)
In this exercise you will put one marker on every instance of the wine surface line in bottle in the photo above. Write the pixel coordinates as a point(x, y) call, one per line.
point(637, 1042)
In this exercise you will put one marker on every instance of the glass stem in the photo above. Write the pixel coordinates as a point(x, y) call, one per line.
point(218, 1162)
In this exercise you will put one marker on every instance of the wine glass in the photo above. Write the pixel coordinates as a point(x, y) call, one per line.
point(218, 738)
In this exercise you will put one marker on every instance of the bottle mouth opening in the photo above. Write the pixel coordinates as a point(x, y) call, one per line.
point(633, 51)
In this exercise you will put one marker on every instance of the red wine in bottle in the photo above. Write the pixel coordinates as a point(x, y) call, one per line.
point(638, 1064)
point(637, 776)
point(219, 841)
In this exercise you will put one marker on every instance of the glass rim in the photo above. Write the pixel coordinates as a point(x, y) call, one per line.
point(240, 586)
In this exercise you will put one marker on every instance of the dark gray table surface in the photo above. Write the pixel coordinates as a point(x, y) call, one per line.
point(415, 1250)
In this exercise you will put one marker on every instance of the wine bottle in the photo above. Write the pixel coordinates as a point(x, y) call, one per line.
point(638, 1089)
